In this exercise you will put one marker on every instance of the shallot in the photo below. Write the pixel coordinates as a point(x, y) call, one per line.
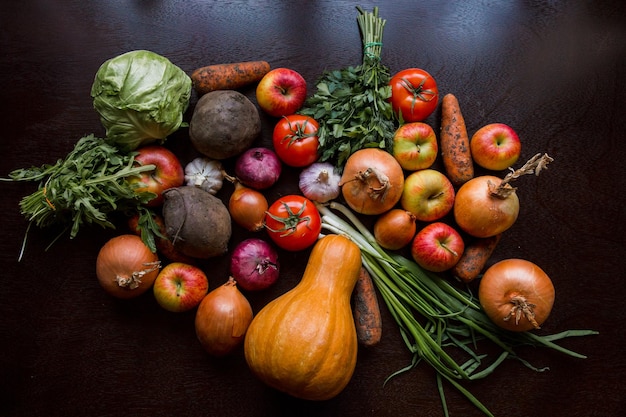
point(254, 264)
point(258, 168)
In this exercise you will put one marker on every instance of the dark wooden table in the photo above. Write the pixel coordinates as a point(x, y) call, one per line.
point(554, 71)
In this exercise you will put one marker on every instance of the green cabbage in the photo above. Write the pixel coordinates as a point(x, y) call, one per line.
point(141, 97)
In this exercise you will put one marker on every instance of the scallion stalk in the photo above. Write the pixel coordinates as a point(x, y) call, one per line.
point(448, 316)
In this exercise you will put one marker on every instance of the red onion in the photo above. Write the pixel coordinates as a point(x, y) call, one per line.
point(258, 168)
point(254, 264)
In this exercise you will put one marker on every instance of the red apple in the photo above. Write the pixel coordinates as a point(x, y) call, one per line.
point(281, 92)
point(415, 146)
point(164, 246)
point(428, 194)
point(180, 287)
point(437, 247)
point(495, 146)
point(168, 173)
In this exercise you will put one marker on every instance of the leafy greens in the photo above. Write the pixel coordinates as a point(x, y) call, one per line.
point(141, 97)
point(352, 104)
point(86, 187)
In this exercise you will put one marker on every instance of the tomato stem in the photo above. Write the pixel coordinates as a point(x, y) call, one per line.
point(418, 92)
point(298, 132)
point(291, 222)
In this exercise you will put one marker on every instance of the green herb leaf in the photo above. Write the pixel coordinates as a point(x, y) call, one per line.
point(85, 187)
point(352, 104)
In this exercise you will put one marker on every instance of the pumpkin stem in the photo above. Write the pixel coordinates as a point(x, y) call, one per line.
point(522, 307)
point(131, 282)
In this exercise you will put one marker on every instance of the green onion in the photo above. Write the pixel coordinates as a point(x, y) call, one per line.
point(448, 317)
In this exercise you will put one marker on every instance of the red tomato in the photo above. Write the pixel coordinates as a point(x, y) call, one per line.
point(293, 222)
point(414, 94)
point(295, 140)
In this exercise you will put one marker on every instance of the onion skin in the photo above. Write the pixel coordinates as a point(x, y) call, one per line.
point(516, 295)
point(254, 264)
point(222, 319)
point(258, 168)
point(395, 229)
point(480, 213)
point(372, 181)
point(126, 267)
point(247, 207)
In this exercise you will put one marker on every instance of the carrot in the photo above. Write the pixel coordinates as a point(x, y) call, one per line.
point(228, 76)
point(475, 258)
point(366, 311)
point(455, 145)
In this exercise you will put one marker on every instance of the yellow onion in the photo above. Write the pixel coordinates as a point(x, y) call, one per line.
point(395, 229)
point(516, 294)
point(126, 267)
point(247, 207)
point(222, 319)
point(372, 181)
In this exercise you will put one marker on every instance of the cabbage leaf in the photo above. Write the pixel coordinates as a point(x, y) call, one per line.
point(141, 97)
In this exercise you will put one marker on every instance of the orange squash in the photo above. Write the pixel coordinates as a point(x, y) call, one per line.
point(304, 342)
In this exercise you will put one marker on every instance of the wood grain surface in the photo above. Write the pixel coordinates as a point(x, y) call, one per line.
point(553, 70)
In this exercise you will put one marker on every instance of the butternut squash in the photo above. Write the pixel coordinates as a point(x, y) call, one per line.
point(304, 342)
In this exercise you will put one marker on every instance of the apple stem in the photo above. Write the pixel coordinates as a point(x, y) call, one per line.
point(452, 251)
point(534, 165)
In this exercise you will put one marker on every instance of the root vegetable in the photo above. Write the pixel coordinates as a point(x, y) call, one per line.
point(258, 168)
point(372, 181)
point(366, 311)
point(254, 264)
point(475, 257)
point(487, 205)
point(455, 144)
point(224, 124)
point(163, 245)
point(395, 229)
point(229, 76)
point(222, 319)
point(196, 222)
point(126, 267)
point(516, 294)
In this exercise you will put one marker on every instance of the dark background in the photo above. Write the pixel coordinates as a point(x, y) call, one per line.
point(553, 70)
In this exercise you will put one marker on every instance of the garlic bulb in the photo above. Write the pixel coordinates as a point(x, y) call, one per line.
point(205, 173)
point(320, 182)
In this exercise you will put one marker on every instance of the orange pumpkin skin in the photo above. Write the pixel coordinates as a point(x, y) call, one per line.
point(304, 342)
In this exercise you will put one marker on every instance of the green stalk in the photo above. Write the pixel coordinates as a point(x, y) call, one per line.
point(453, 317)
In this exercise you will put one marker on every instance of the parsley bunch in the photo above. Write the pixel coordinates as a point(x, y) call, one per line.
point(352, 104)
point(86, 187)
